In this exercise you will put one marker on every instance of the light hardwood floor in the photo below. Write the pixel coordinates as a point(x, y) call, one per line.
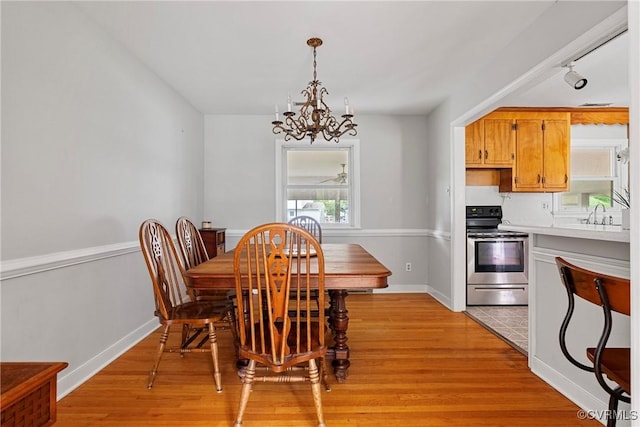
point(414, 363)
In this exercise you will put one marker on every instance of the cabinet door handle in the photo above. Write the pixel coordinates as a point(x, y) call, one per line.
point(566, 178)
point(513, 156)
point(538, 178)
point(480, 154)
point(543, 179)
point(486, 154)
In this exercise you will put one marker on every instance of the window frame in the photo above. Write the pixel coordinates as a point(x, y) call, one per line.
point(619, 177)
point(352, 146)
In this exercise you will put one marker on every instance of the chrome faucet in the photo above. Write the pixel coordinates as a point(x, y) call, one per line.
point(589, 218)
point(595, 213)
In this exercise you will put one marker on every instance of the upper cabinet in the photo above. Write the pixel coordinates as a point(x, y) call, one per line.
point(489, 143)
point(528, 149)
point(542, 154)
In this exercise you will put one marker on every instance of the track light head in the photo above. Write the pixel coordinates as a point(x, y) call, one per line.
point(574, 79)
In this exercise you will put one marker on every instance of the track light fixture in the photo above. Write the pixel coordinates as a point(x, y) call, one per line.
point(574, 79)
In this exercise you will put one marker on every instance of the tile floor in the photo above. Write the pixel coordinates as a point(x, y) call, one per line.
point(508, 322)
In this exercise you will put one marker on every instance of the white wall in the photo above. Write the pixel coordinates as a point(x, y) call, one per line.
point(240, 174)
point(93, 143)
point(439, 184)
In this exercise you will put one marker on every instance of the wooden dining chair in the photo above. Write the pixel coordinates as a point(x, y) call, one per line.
point(174, 306)
point(613, 295)
point(275, 267)
point(190, 242)
point(313, 227)
point(310, 224)
point(194, 252)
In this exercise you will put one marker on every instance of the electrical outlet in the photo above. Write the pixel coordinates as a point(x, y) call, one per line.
point(407, 267)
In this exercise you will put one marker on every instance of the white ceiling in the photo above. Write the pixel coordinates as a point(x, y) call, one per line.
point(387, 57)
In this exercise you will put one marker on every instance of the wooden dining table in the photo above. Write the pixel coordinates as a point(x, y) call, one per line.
point(348, 267)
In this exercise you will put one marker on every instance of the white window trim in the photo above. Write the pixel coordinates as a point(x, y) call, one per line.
point(354, 172)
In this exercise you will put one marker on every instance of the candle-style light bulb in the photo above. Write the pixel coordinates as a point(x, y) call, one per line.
point(289, 103)
point(277, 118)
point(346, 105)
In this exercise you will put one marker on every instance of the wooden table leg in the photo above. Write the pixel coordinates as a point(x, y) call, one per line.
point(339, 322)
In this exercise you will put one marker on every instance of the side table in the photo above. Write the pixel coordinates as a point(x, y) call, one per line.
point(214, 240)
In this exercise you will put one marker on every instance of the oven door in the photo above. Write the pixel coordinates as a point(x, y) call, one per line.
point(497, 260)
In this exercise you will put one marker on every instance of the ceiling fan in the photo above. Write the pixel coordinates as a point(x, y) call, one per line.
point(341, 178)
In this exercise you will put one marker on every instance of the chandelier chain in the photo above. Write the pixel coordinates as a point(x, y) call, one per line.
point(315, 73)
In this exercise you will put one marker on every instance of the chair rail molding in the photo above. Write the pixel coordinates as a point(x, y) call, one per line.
point(371, 232)
point(19, 267)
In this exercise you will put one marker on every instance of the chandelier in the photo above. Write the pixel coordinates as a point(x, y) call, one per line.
point(315, 116)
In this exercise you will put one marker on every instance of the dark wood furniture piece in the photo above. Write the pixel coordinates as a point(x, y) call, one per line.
point(214, 240)
point(613, 295)
point(172, 308)
point(348, 266)
point(29, 393)
point(275, 265)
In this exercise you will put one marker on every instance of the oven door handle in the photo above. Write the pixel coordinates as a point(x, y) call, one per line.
point(489, 288)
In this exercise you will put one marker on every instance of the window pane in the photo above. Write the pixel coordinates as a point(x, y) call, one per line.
point(591, 162)
point(587, 194)
point(319, 203)
point(320, 181)
point(317, 166)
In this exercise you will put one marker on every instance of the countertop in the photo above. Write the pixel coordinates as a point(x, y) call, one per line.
point(612, 233)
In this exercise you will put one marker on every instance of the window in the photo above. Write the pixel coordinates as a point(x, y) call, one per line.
point(319, 180)
point(595, 174)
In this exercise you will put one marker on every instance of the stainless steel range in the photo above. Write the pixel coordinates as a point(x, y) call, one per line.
point(497, 270)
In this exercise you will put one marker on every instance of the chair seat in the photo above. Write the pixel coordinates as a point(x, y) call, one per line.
point(204, 311)
point(616, 364)
point(264, 356)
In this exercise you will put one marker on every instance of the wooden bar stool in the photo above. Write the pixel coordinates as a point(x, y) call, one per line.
point(613, 295)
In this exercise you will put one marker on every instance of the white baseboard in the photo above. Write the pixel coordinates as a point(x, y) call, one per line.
point(402, 289)
point(69, 381)
point(572, 391)
point(442, 298)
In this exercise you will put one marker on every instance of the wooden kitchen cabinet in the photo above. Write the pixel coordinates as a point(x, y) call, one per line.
point(542, 152)
point(541, 146)
point(214, 240)
point(490, 142)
